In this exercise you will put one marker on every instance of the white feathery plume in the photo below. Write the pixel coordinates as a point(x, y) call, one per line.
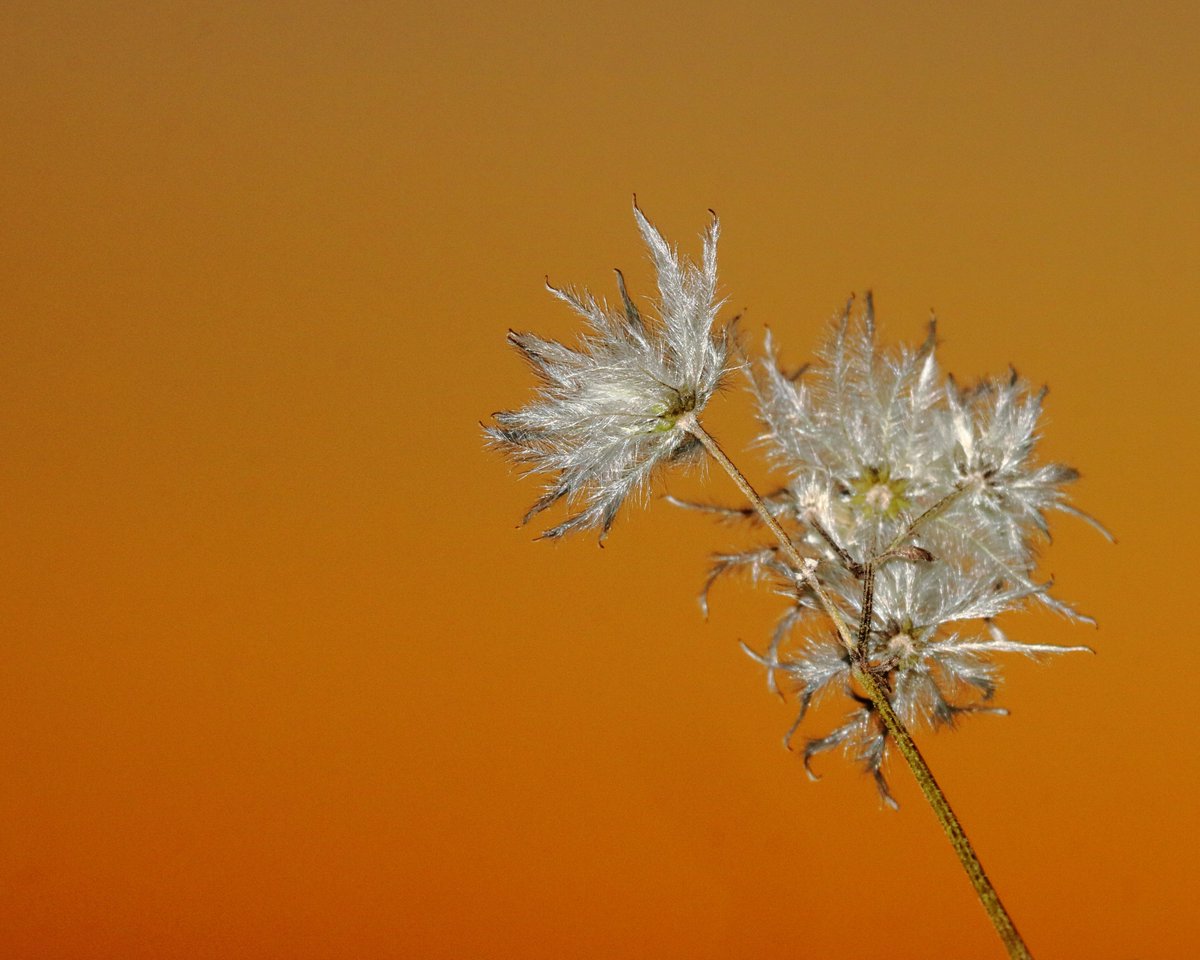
point(604, 416)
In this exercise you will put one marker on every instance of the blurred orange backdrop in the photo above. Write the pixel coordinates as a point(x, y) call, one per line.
point(278, 676)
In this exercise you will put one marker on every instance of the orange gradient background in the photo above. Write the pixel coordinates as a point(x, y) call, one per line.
point(279, 677)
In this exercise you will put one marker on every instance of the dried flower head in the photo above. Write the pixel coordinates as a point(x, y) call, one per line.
point(605, 413)
point(916, 507)
point(925, 507)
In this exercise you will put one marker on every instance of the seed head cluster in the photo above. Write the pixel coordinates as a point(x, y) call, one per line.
point(925, 506)
point(915, 505)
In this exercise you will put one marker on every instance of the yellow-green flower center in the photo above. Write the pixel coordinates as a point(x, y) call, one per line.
point(877, 492)
point(666, 414)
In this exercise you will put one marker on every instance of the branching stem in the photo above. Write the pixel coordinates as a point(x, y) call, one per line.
point(805, 569)
point(930, 513)
point(868, 613)
point(1003, 923)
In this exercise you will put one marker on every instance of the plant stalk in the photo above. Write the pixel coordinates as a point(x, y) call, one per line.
point(869, 682)
point(944, 812)
point(805, 567)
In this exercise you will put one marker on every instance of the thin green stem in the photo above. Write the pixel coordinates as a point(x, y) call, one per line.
point(942, 810)
point(805, 568)
point(868, 612)
point(929, 514)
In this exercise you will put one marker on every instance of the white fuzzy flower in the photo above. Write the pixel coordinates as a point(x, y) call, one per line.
point(605, 413)
point(860, 418)
point(933, 640)
point(880, 447)
point(991, 431)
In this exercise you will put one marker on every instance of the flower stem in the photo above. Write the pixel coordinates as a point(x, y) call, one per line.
point(690, 424)
point(942, 810)
point(869, 682)
point(805, 567)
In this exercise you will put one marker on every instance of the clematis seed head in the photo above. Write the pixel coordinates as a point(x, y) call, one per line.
point(606, 411)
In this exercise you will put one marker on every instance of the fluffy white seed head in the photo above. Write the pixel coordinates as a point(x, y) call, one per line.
point(879, 445)
point(606, 411)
